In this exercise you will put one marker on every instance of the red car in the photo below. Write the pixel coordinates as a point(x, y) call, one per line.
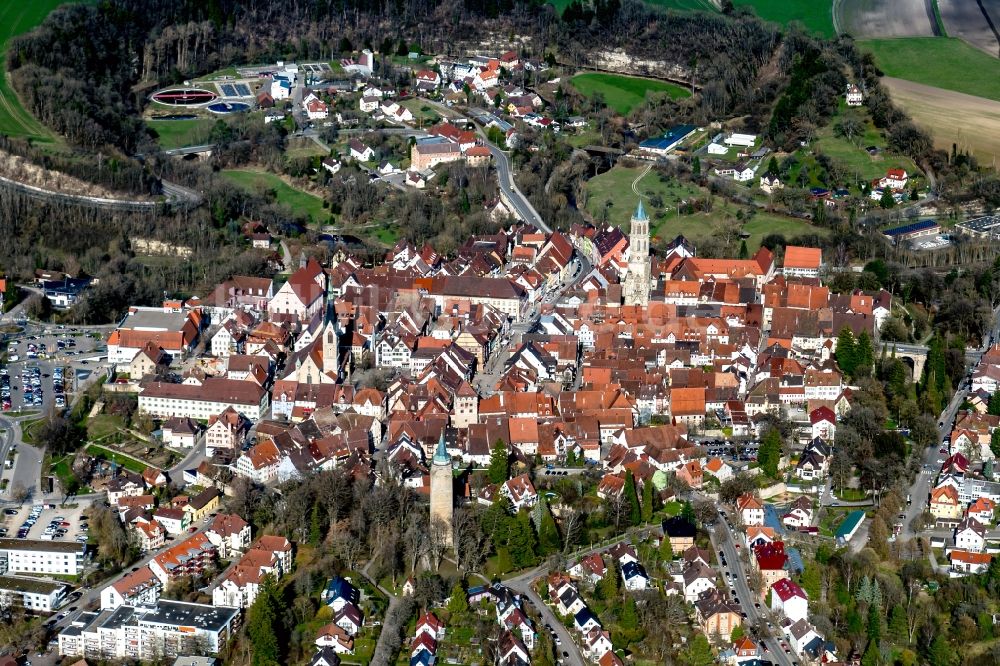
point(942, 450)
point(192, 529)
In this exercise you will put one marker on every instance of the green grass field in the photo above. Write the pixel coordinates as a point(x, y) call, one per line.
point(17, 18)
point(622, 93)
point(615, 187)
point(104, 425)
point(682, 5)
point(304, 148)
point(938, 61)
point(851, 153)
point(422, 112)
point(815, 15)
point(123, 460)
point(299, 201)
point(181, 133)
point(612, 190)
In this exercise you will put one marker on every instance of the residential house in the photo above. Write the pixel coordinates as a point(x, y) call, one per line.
point(945, 505)
point(680, 532)
point(520, 491)
point(230, 535)
point(634, 576)
point(750, 510)
point(696, 580)
point(137, 588)
point(361, 152)
point(789, 599)
point(982, 510)
point(970, 535)
point(340, 592)
point(717, 615)
point(966, 562)
point(770, 560)
point(334, 637)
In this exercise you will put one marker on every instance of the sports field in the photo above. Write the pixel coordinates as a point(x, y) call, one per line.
point(939, 62)
point(815, 15)
point(300, 202)
point(17, 18)
point(623, 93)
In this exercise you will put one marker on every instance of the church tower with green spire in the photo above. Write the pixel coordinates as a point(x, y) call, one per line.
point(636, 288)
point(442, 495)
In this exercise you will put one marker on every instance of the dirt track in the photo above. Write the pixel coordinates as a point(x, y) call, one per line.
point(976, 22)
point(951, 117)
point(885, 18)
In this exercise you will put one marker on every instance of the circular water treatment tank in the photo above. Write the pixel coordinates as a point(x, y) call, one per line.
point(228, 107)
point(184, 96)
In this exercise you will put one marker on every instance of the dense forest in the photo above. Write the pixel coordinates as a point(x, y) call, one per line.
point(85, 71)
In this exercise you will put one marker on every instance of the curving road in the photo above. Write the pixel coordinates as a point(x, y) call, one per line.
point(173, 195)
point(508, 187)
point(505, 177)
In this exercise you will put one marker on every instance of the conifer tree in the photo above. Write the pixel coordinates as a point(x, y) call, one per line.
point(846, 353)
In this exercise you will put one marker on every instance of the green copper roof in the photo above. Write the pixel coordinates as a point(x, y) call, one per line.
point(441, 454)
point(640, 212)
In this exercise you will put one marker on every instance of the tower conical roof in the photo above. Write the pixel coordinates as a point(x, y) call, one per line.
point(441, 454)
point(640, 212)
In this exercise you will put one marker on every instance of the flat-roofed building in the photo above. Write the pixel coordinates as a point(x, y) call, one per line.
point(166, 629)
point(33, 595)
point(173, 330)
point(981, 227)
point(909, 232)
point(41, 557)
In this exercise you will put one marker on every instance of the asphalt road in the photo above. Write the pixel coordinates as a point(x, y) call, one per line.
point(919, 490)
point(747, 597)
point(522, 585)
point(505, 177)
point(487, 377)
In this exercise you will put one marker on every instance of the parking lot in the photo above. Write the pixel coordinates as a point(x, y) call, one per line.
point(39, 369)
point(47, 524)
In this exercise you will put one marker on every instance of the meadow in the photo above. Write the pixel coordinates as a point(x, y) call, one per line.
point(852, 155)
point(815, 15)
point(976, 129)
point(682, 5)
point(181, 133)
point(300, 202)
point(615, 187)
point(17, 18)
point(623, 93)
point(939, 62)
